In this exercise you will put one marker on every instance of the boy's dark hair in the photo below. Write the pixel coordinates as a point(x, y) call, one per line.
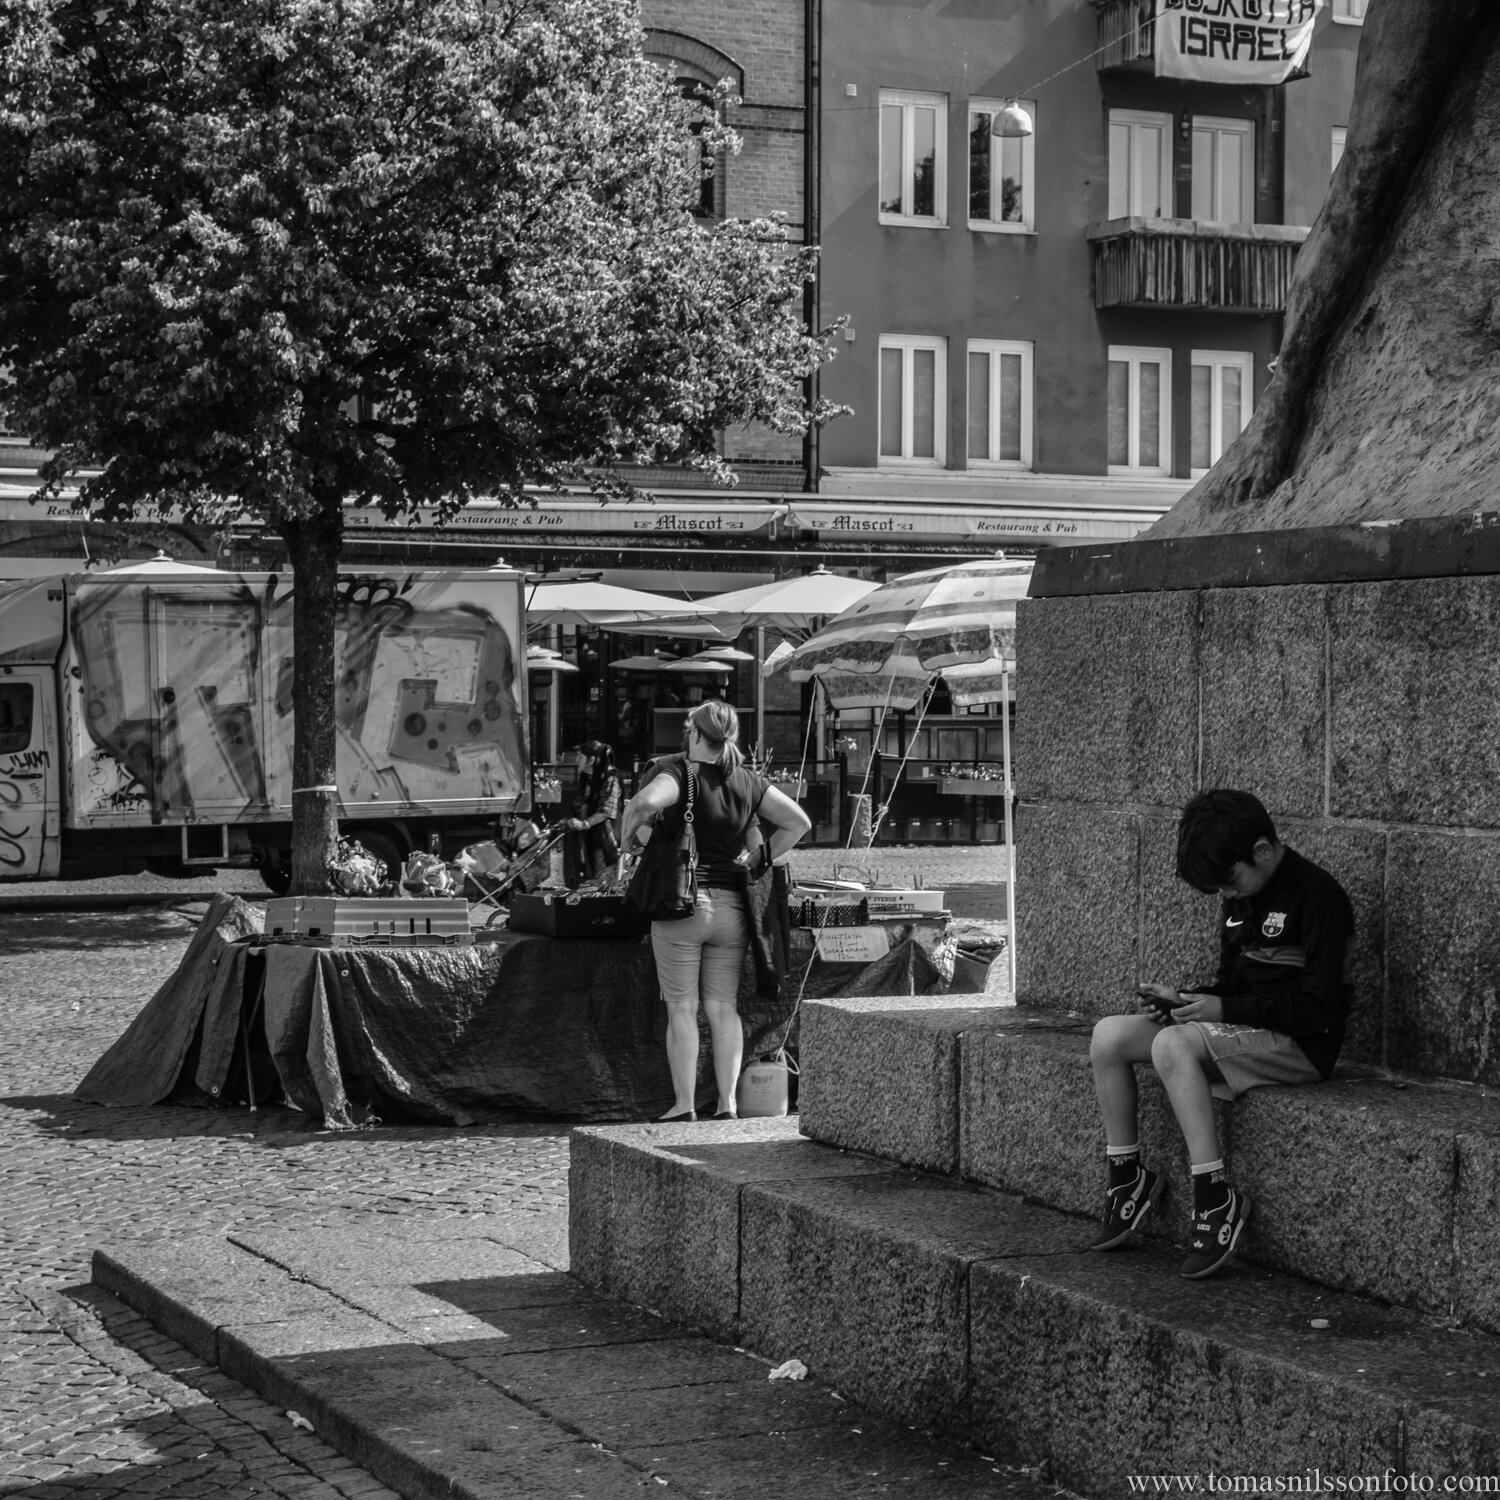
point(1218, 830)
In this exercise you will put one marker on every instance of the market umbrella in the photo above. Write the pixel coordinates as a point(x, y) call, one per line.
point(640, 663)
point(588, 602)
point(922, 622)
point(958, 622)
point(789, 605)
point(722, 654)
point(689, 627)
point(541, 659)
point(160, 566)
point(697, 664)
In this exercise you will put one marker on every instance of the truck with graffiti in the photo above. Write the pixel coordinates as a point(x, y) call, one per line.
point(146, 719)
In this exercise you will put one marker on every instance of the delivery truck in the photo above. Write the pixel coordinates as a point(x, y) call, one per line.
point(146, 718)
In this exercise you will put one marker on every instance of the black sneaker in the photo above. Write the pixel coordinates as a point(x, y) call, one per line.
point(1216, 1232)
point(1126, 1207)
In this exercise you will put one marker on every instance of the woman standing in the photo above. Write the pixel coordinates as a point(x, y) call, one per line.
point(699, 958)
point(589, 846)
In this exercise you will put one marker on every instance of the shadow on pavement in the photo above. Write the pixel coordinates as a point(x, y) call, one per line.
point(271, 1126)
point(72, 932)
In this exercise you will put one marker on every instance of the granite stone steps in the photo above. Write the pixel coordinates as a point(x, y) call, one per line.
point(979, 1315)
point(1373, 1183)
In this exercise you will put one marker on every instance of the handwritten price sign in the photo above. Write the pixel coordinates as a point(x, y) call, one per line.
point(853, 945)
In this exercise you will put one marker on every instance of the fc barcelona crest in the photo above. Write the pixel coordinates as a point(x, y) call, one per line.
point(1275, 921)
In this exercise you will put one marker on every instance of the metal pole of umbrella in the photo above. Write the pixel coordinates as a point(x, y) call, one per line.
point(760, 692)
point(554, 700)
point(1010, 838)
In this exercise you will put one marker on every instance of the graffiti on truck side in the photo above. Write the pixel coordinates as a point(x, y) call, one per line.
point(184, 699)
point(113, 786)
point(12, 799)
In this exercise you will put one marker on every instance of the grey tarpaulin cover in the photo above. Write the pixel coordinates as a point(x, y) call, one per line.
point(554, 1026)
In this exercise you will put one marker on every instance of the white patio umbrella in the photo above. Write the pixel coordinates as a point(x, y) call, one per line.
point(790, 603)
point(640, 663)
point(958, 622)
point(687, 627)
point(697, 664)
point(588, 602)
point(543, 659)
point(722, 653)
point(791, 606)
point(160, 566)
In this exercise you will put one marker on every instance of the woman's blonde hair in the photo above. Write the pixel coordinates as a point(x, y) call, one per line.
point(719, 724)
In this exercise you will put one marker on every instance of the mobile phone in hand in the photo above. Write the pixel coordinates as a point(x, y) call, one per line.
point(1161, 1007)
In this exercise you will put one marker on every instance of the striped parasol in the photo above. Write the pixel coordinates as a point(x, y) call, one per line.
point(918, 625)
point(884, 651)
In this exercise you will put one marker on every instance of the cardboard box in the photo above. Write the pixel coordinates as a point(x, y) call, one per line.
point(554, 915)
point(371, 921)
point(892, 903)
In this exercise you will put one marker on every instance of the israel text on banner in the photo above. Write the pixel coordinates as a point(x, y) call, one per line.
point(1233, 41)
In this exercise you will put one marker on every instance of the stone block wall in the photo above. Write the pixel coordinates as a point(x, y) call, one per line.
point(1365, 714)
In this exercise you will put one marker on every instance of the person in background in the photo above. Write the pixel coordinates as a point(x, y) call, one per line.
point(589, 845)
point(699, 958)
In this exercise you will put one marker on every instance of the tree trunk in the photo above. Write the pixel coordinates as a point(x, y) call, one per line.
point(1384, 403)
point(313, 546)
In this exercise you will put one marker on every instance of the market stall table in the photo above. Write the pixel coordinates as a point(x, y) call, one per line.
point(556, 1026)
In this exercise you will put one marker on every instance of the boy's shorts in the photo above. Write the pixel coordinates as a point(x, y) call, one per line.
point(1248, 1056)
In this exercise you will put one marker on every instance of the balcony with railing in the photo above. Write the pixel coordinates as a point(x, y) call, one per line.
point(1125, 34)
point(1192, 265)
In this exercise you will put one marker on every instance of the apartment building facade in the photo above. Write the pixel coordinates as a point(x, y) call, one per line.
point(1072, 324)
point(1044, 338)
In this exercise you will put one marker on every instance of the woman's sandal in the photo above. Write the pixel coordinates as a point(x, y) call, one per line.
point(688, 1115)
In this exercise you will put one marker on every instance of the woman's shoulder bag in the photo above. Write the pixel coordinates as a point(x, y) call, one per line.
point(664, 887)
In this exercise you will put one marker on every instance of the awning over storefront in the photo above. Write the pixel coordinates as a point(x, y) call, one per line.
point(657, 517)
point(883, 521)
point(1040, 524)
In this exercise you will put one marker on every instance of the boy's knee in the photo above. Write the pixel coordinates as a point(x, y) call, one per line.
point(1109, 1033)
point(1175, 1047)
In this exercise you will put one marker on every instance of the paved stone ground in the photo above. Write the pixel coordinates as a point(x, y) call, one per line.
point(94, 1404)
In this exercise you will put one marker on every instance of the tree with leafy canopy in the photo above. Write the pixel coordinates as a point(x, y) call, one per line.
point(271, 256)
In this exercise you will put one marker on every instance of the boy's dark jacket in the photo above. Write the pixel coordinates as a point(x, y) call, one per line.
point(1284, 958)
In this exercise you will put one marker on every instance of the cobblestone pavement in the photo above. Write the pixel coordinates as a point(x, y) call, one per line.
point(94, 1404)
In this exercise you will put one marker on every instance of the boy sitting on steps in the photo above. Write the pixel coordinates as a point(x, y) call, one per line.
point(1274, 1013)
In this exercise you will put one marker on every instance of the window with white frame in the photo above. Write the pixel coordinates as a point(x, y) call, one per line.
point(1000, 403)
point(1340, 135)
point(1140, 165)
point(1222, 395)
point(913, 158)
point(913, 399)
point(1002, 192)
point(1140, 410)
point(1350, 12)
point(1223, 170)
